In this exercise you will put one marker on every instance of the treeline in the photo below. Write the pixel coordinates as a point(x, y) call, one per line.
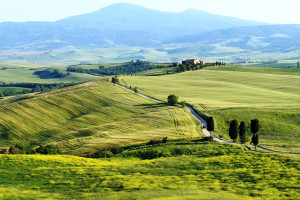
point(27, 149)
point(192, 67)
point(50, 73)
point(9, 92)
point(29, 88)
point(126, 68)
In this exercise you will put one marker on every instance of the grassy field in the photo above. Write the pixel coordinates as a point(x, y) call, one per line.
point(25, 75)
point(176, 170)
point(87, 117)
point(242, 93)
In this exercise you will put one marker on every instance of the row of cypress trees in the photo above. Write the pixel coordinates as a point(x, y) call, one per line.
point(236, 131)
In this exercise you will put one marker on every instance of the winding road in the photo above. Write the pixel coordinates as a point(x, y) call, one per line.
point(193, 112)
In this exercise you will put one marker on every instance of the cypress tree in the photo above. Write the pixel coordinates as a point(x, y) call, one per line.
point(233, 130)
point(210, 125)
point(254, 140)
point(242, 132)
point(254, 130)
point(254, 126)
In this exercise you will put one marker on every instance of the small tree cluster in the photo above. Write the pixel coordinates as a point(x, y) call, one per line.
point(234, 131)
point(48, 149)
point(157, 141)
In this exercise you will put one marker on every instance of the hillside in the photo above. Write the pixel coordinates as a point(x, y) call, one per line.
point(242, 93)
point(267, 38)
point(83, 118)
point(176, 170)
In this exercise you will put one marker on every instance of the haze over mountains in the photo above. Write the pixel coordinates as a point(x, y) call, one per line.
point(127, 25)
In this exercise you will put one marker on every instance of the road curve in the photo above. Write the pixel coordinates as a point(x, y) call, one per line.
point(193, 112)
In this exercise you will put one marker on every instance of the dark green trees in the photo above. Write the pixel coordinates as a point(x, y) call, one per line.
point(136, 90)
point(298, 64)
point(242, 132)
point(172, 100)
point(233, 130)
point(254, 126)
point(115, 80)
point(210, 125)
point(254, 140)
point(254, 130)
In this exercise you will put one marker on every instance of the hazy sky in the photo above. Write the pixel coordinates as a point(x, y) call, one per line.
point(272, 11)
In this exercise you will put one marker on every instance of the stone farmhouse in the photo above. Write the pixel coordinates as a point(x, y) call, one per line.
point(193, 61)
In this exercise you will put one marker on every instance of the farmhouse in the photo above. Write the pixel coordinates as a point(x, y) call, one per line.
point(193, 61)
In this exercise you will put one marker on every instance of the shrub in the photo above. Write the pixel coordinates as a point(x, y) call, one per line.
point(48, 149)
point(172, 100)
point(183, 104)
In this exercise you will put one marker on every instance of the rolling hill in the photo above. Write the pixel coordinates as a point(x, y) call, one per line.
point(83, 118)
point(242, 93)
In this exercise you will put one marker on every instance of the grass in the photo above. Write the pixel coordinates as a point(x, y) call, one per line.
point(25, 75)
point(87, 117)
point(158, 72)
point(18, 89)
point(242, 93)
point(183, 170)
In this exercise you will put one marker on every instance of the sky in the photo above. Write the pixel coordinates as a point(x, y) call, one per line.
point(270, 11)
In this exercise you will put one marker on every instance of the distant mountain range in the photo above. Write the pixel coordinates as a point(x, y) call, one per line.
point(127, 25)
point(119, 24)
point(270, 38)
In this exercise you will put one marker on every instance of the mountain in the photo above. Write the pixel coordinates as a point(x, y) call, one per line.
point(268, 38)
point(112, 26)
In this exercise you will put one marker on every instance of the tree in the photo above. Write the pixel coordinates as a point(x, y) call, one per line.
point(135, 90)
point(254, 140)
point(298, 64)
point(115, 80)
point(210, 125)
point(242, 132)
point(254, 130)
point(172, 100)
point(254, 126)
point(233, 130)
point(183, 103)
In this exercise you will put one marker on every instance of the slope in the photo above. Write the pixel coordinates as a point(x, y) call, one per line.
point(267, 38)
point(228, 93)
point(90, 116)
point(175, 170)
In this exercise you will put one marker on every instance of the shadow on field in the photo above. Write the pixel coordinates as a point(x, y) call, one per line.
point(151, 105)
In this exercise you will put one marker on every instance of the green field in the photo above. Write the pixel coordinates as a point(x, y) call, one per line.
point(175, 170)
point(25, 75)
point(242, 93)
point(84, 118)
